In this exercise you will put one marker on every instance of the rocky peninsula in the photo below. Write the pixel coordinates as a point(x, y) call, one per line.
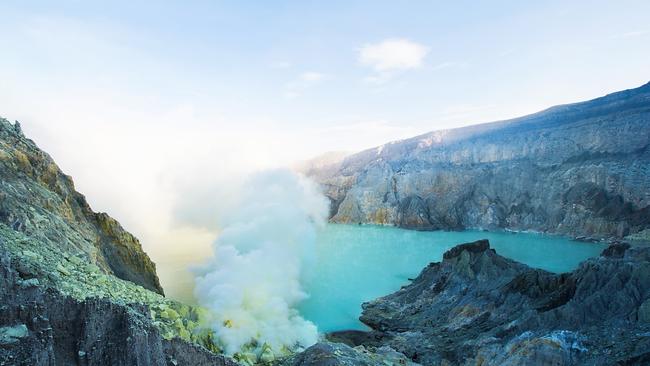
point(479, 308)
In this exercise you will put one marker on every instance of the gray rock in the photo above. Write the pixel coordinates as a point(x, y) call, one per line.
point(40, 326)
point(476, 307)
point(337, 354)
point(39, 200)
point(644, 312)
point(10, 335)
point(581, 169)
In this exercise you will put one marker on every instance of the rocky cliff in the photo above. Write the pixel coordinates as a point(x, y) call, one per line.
point(581, 169)
point(479, 308)
point(75, 287)
point(37, 199)
point(44, 326)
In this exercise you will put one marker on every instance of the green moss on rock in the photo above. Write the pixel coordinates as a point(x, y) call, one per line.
point(74, 275)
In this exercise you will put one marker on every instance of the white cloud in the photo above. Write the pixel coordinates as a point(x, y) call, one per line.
point(393, 54)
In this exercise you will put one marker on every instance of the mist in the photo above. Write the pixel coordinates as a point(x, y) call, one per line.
point(252, 284)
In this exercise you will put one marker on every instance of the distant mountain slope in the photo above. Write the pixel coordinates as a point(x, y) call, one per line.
point(36, 198)
point(577, 169)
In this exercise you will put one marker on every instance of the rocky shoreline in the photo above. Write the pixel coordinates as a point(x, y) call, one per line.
point(479, 308)
point(473, 308)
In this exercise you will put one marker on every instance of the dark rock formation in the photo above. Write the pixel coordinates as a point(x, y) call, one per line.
point(37, 199)
point(337, 354)
point(478, 308)
point(581, 169)
point(40, 326)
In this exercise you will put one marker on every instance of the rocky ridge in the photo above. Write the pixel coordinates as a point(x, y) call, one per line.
point(581, 169)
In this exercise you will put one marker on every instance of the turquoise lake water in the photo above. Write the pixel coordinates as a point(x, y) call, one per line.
point(355, 264)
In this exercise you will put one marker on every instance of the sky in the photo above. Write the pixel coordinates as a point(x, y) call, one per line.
point(153, 107)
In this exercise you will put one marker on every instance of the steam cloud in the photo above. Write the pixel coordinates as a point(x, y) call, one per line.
point(252, 284)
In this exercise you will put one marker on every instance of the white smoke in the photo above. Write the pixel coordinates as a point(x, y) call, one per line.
point(252, 285)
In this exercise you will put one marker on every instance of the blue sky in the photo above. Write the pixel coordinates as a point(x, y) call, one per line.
point(169, 97)
point(244, 60)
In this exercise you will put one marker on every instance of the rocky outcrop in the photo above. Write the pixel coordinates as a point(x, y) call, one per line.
point(479, 308)
point(75, 287)
point(581, 169)
point(40, 326)
point(37, 199)
point(338, 354)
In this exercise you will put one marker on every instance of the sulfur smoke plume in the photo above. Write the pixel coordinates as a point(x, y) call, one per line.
point(252, 284)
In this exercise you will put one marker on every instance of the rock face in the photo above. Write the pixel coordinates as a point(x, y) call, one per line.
point(37, 199)
point(75, 287)
point(40, 327)
point(478, 308)
point(338, 354)
point(581, 169)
